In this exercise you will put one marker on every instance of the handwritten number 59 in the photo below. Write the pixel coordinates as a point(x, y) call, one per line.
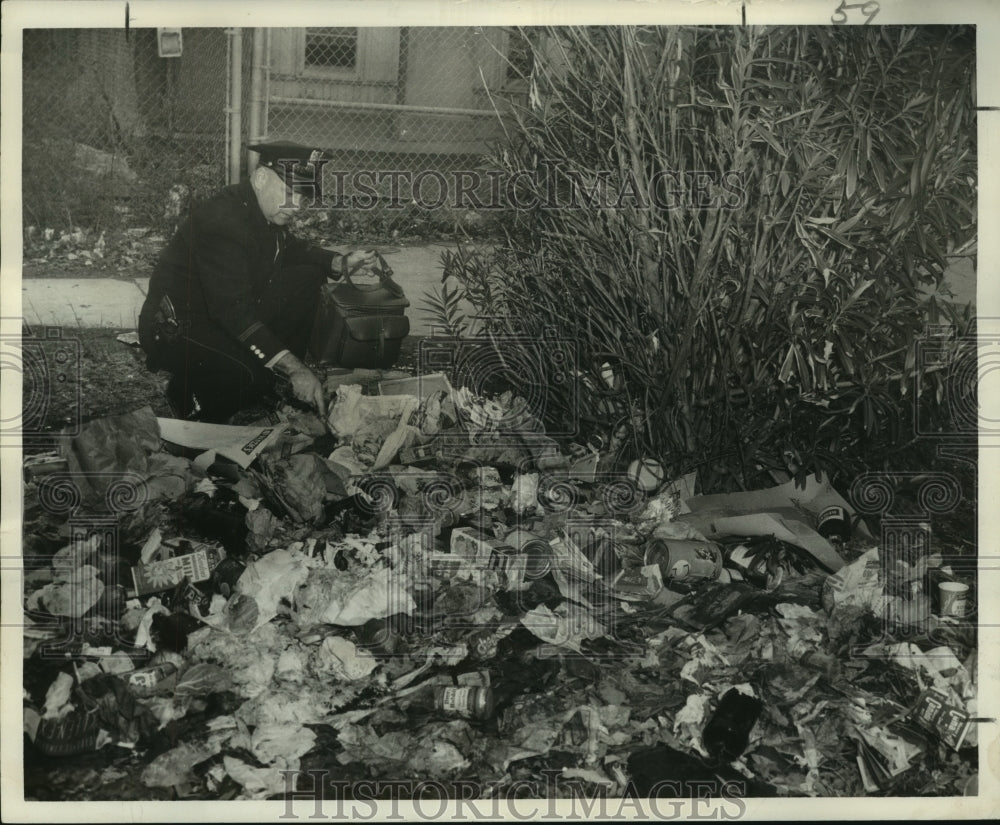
point(869, 10)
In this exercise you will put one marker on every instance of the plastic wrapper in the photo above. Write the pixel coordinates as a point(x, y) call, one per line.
point(351, 598)
point(57, 697)
point(108, 448)
point(273, 742)
point(73, 593)
point(856, 585)
point(267, 582)
point(340, 659)
point(298, 484)
point(174, 767)
point(351, 411)
point(567, 626)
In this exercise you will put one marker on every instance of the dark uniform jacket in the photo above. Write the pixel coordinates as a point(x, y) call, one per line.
point(224, 255)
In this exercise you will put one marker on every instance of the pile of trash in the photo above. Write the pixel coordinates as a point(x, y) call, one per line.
point(425, 586)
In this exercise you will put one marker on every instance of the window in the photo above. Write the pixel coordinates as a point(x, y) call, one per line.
point(331, 48)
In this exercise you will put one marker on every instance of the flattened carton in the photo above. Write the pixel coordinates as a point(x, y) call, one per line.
point(165, 574)
point(938, 713)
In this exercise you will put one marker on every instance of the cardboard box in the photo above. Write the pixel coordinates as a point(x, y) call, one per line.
point(936, 712)
point(166, 574)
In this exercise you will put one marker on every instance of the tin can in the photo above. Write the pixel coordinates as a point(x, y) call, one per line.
point(537, 553)
point(470, 702)
point(511, 564)
point(150, 680)
point(684, 560)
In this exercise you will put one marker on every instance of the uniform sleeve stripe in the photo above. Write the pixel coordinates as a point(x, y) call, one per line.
point(250, 330)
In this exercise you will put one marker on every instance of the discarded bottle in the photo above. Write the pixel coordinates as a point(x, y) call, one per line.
point(459, 700)
point(727, 733)
point(834, 524)
point(466, 701)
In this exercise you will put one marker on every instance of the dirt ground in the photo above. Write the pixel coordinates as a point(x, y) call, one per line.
point(112, 379)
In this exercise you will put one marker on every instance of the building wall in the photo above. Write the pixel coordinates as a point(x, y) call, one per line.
point(430, 67)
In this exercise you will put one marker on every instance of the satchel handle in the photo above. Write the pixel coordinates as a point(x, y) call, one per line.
point(384, 273)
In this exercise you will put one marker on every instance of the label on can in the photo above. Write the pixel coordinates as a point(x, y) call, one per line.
point(466, 701)
point(144, 682)
point(684, 559)
point(511, 564)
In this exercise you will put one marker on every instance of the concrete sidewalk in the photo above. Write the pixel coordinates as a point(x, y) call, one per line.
point(108, 302)
point(114, 303)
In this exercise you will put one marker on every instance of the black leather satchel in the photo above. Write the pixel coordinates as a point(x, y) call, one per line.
point(361, 325)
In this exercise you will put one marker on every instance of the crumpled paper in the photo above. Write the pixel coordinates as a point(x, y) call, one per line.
point(169, 477)
point(73, 593)
point(351, 410)
point(856, 585)
point(270, 579)
point(298, 483)
point(250, 660)
point(261, 783)
point(174, 767)
point(340, 658)
point(689, 721)
point(351, 598)
point(524, 493)
point(107, 448)
point(57, 697)
point(434, 757)
point(271, 742)
point(202, 679)
point(566, 626)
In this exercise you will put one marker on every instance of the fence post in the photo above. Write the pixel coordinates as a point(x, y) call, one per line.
point(257, 127)
point(235, 112)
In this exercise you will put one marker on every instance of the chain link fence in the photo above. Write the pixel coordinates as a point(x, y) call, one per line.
point(110, 127)
point(409, 113)
point(118, 136)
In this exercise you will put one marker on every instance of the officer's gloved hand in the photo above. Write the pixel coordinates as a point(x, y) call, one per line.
point(366, 261)
point(306, 387)
point(357, 264)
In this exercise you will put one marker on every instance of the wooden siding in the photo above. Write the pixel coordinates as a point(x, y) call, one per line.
point(441, 69)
